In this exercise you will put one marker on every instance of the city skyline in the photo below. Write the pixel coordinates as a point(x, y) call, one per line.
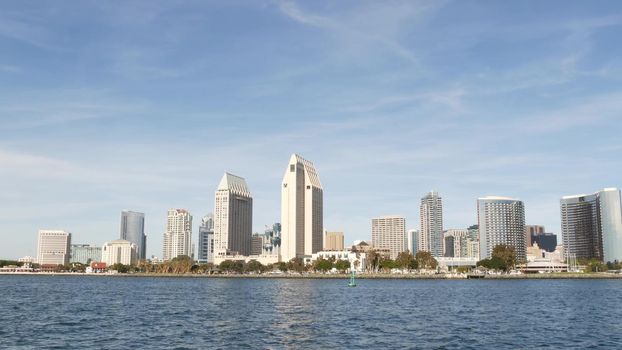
point(145, 108)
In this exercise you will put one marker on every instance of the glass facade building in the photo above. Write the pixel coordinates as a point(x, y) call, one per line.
point(133, 230)
point(592, 225)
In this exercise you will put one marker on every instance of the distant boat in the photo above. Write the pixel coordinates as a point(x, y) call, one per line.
point(352, 282)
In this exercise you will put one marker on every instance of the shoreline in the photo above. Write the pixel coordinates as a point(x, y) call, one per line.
point(547, 276)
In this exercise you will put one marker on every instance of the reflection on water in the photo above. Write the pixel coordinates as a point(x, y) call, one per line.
point(197, 313)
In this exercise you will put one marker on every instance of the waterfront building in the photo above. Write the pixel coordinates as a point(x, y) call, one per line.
point(389, 232)
point(501, 221)
point(233, 217)
point(357, 260)
point(206, 239)
point(84, 253)
point(333, 241)
point(592, 225)
point(455, 243)
point(302, 210)
point(53, 247)
point(431, 212)
point(132, 229)
point(119, 251)
point(178, 235)
point(360, 246)
point(412, 238)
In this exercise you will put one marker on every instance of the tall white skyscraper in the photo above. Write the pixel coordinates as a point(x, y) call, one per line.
point(233, 217)
point(389, 232)
point(501, 221)
point(53, 247)
point(178, 235)
point(431, 212)
point(592, 225)
point(302, 210)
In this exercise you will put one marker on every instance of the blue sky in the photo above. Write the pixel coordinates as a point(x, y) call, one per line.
point(111, 105)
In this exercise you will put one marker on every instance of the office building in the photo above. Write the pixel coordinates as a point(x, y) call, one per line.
point(592, 225)
point(119, 251)
point(302, 210)
point(530, 232)
point(546, 241)
point(389, 232)
point(455, 243)
point(84, 253)
point(233, 217)
point(333, 241)
point(257, 241)
point(178, 235)
point(431, 212)
point(132, 229)
point(53, 247)
point(206, 239)
point(501, 221)
point(412, 238)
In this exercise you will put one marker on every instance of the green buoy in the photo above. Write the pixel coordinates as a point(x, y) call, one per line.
point(352, 283)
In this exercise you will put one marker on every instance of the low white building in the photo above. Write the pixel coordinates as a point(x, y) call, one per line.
point(357, 260)
point(264, 259)
point(448, 263)
point(119, 252)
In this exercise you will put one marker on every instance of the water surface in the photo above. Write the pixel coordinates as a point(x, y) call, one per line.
point(70, 312)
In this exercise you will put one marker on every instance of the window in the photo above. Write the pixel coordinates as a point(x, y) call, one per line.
point(292, 168)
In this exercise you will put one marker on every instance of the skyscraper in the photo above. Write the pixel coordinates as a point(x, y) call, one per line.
point(206, 239)
point(178, 235)
point(333, 241)
point(501, 221)
point(302, 210)
point(530, 232)
point(53, 247)
point(456, 243)
point(133, 230)
point(412, 241)
point(431, 212)
point(389, 232)
point(592, 225)
point(233, 217)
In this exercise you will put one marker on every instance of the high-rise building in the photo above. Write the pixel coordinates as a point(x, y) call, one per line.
point(431, 212)
point(53, 247)
point(84, 253)
point(412, 238)
point(333, 241)
point(456, 243)
point(119, 251)
point(472, 249)
point(233, 217)
point(302, 210)
point(257, 242)
point(546, 241)
point(178, 235)
point(592, 225)
point(530, 232)
point(206, 239)
point(133, 230)
point(501, 221)
point(389, 232)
